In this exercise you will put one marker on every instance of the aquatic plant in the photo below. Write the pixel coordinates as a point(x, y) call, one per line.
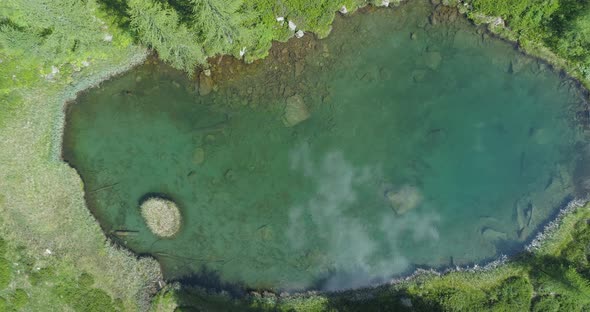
point(161, 216)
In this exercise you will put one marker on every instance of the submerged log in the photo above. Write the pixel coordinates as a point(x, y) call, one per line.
point(103, 188)
point(124, 232)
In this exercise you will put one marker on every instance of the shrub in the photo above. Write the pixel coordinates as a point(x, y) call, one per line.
point(514, 294)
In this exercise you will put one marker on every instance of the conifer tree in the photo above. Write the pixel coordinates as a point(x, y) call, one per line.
point(157, 25)
point(219, 24)
point(47, 29)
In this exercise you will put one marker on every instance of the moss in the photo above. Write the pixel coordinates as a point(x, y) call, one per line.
point(86, 280)
point(19, 299)
point(85, 299)
point(5, 273)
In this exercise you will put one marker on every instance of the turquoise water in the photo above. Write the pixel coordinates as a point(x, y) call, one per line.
point(426, 145)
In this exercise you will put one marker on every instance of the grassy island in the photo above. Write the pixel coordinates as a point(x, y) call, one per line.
point(53, 253)
point(161, 216)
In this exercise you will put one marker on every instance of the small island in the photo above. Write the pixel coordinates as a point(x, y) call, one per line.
point(162, 216)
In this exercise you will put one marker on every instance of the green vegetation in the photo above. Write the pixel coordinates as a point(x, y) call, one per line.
point(558, 30)
point(51, 49)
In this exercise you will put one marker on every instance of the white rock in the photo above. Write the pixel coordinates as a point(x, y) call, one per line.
point(299, 33)
point(292, 26)
point(343, 10)
point(498, 22)
point(85, 63)
point(385, 3)
point(242, 51)
point(47, 252)
point(54, 70)
point(108, 38)
point(280, 19)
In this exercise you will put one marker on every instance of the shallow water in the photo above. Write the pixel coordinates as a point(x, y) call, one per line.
point(441, 148)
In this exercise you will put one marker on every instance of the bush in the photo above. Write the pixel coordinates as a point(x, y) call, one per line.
point(514, 294)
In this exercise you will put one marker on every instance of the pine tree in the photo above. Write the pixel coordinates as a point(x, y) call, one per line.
point(56, 30)
point(157, 25)
point(219, 24)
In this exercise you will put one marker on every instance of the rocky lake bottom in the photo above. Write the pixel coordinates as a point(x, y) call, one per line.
point(407, 138)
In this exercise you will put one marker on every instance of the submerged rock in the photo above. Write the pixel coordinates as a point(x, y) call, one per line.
point(491, 235)
point(198, 156)
point(443, 14)
point(205, 84)
point(295, 111)
point(432, 60)
point(404, 199)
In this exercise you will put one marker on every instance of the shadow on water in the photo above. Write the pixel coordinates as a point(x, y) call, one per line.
point(211, 280)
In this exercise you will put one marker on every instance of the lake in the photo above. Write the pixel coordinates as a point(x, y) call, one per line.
point(407, 138)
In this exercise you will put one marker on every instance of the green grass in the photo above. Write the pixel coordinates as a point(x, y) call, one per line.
point(50, 237)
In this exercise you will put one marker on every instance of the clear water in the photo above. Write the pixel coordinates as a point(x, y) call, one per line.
point(480, 145)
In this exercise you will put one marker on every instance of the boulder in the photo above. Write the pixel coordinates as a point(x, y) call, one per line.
point(295, 111)
point(431, 60)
